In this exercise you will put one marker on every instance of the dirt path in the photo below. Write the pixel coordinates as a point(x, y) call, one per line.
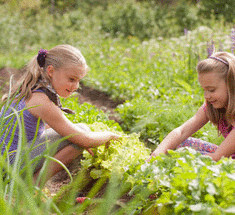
point(99, 99)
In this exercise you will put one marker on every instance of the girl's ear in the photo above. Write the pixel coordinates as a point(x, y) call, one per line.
point(50, 70)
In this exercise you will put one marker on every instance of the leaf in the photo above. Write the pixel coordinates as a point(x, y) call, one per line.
point(230, 210)
point(95, 173)
point(184, 84)
point(211, 189)
point(196, 208)
point(231, 176)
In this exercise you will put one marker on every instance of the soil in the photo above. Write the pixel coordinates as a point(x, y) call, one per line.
point(5, 74)
point(86, 94)
point(99, 99)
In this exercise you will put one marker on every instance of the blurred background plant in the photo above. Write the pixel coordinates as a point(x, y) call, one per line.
point(225, 9)
point(36, 21)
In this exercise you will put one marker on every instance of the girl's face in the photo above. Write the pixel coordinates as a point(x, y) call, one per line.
point(65, 80)
point(215, 89)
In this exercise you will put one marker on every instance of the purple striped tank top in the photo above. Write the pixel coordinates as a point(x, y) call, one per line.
point(30, 124)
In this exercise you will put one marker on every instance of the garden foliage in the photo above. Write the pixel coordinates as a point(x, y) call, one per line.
point(184, 181)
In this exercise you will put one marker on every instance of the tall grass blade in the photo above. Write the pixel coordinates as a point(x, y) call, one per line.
point(59, 162)
point(16, 165)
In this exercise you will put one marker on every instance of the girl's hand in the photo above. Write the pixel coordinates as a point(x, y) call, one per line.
point(154, 154)
point(107, 135)
point(110, 136)
point(113, 136)
point(90, 151)
point(214, 156)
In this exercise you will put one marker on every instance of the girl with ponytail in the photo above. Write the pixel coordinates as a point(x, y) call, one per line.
point(48, 76)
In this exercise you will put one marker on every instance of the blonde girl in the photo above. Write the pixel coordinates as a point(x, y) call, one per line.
point(48, 75)
point(216, 76)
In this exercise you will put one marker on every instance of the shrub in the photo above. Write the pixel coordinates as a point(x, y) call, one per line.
point(59, 5)
point(128, 20)
point(218, 8)
point(186, 16)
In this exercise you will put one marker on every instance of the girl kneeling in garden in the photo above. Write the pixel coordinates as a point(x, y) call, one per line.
point(216, 76)
point(50, 74)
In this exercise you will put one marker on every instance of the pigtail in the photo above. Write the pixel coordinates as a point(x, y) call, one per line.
point(230, 112)
point(33, 73)
point(27, 81)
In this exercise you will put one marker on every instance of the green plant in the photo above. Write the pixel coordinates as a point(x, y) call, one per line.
point(184, 182)
point(87, 113)
point(119, 156)
point(128, 19)
point(217, 8)
point(186, 15)
point(59, 5)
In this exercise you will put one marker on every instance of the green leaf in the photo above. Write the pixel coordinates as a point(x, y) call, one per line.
point(196, 208)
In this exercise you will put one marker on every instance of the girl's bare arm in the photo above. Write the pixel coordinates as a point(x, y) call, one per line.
point(226, 148)
point(178, 135)
point(56, 119)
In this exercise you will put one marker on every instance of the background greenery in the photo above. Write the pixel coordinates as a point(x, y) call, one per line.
point(154, 45)
point(142, 52)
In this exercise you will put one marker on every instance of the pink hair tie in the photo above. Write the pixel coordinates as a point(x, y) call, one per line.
point(41, 57)
point(219, 59)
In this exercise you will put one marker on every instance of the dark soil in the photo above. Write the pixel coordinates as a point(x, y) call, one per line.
point(5, 74)
point(86, 94)
point(99, 99)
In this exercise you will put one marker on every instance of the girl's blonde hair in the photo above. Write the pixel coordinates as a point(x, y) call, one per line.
point(224, 64)
point(61, 56)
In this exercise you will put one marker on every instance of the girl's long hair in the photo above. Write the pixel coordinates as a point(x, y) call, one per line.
point(59, 56)
point(227, 72)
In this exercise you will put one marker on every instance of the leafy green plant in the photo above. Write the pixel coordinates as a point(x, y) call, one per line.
point(118, 157)
point(87, 113)
point(185, 182)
